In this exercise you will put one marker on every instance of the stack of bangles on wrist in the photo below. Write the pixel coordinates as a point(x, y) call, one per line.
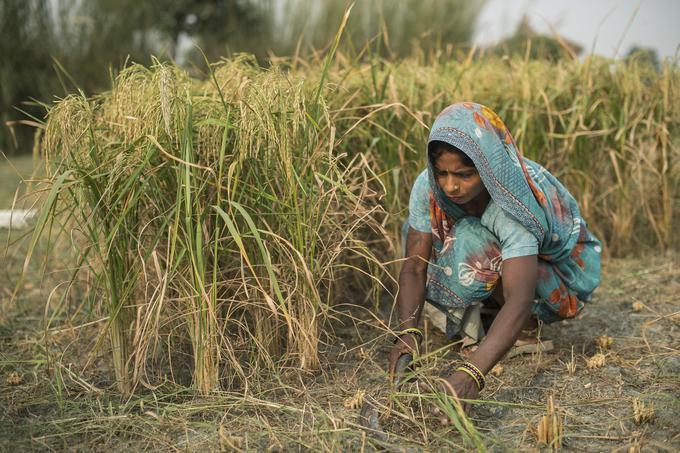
point(470, 369)
point(413, 331)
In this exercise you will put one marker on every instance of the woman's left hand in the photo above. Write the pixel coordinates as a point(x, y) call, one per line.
point(463, 387)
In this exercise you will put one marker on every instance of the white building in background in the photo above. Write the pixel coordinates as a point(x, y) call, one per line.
point(16, 219)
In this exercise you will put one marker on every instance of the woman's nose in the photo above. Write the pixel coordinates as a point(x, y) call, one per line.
point(450, 186)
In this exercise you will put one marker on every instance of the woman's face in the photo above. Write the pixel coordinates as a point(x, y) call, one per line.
point(460, 182)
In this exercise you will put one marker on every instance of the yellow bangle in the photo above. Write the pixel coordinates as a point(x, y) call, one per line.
point(413, 331)
point(474, 368)
point(479, 376)
point(472, 375)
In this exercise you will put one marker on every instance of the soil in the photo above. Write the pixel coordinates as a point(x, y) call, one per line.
point(620, 353)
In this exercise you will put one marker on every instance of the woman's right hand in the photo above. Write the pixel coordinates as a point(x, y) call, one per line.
point(405, 344)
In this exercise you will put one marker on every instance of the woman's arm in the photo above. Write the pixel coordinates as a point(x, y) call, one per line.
point(411, 295)
point(413, 277)
point(519, 285)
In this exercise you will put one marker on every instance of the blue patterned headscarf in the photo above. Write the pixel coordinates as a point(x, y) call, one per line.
point(519, 186)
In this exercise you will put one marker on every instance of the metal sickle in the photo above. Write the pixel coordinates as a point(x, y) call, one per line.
point(370, 412)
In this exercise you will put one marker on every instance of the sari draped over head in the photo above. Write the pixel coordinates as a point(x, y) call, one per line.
point(569, 255)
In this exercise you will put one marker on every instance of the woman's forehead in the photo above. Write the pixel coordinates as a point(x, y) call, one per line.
point(451, 161)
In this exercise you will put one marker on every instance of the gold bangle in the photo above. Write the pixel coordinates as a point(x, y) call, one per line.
point(474, 367)
point(412, 331)
point(481, 379)
point(472, 375)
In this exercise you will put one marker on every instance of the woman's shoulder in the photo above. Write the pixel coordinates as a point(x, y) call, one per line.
point(419, 203)
point(514, 238)
point(422, 179)
point(496, 219)
point(492, 214)
point(421, 186)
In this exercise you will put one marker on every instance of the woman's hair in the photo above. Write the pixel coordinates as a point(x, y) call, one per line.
point(436, 148)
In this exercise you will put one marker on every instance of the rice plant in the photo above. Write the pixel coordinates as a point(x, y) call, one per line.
point(218, 207)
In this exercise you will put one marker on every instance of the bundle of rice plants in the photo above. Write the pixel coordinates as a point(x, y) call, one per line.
point(218, 207)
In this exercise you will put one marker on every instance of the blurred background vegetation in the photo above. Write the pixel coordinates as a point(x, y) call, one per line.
point(51, 48)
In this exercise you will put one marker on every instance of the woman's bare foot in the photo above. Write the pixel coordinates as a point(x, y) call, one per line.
point(529, 341)
point(468, 346)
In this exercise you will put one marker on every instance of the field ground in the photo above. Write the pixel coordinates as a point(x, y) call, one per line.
point(47, 403)
point(11, 172)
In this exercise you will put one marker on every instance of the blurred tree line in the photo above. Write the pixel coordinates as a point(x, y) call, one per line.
point(526, 42)
point(49, 48)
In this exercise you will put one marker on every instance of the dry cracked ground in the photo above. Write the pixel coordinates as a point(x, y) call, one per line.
point(613, 378)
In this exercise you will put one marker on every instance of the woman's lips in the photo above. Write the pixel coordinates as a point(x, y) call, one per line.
point(455, 199)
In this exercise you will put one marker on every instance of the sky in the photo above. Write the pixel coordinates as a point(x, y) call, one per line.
point(600, 26)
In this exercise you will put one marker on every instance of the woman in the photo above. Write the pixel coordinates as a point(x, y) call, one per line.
point(486, 224)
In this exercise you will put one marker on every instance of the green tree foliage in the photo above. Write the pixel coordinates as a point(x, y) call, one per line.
point(25, 67)
point(216, 26)
point(404, 26)
point(96, 35)
point(48, 49)
point(645, 56)
point(538, 47)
